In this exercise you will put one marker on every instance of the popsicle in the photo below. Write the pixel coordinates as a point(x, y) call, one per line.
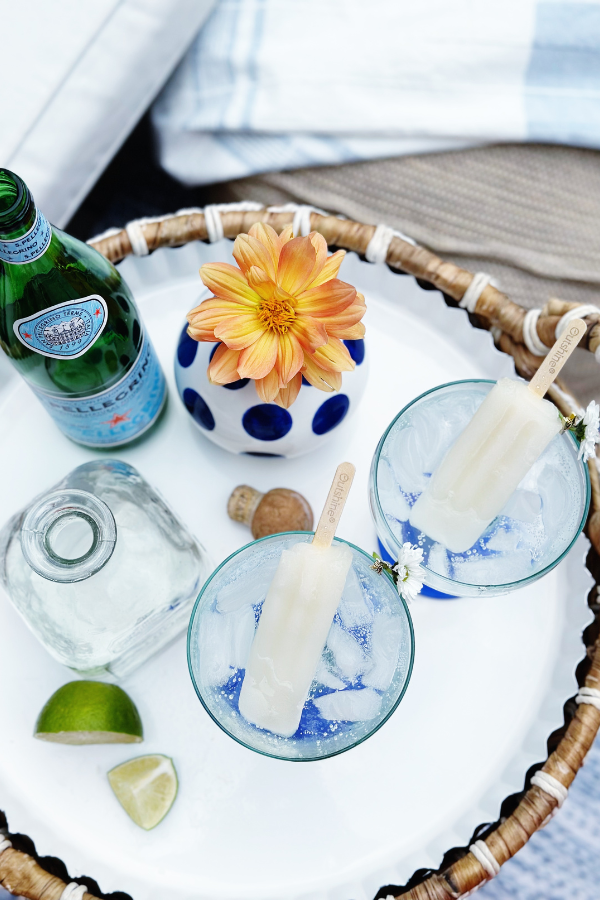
point(295, 621)
point(483, 467)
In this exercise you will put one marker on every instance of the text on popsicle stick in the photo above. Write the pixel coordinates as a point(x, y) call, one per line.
point(334, 505)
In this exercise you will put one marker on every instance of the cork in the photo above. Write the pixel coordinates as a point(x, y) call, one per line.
point(280, 509)
point(242, 504)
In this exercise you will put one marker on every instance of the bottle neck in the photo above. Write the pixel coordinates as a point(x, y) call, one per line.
point(68, 535)
point(17, 209)
point(24, 232)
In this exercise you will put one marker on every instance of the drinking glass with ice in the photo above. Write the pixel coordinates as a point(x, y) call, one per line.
point(297, 647)
point(479, 475)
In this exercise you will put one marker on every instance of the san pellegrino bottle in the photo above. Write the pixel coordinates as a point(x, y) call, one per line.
point(70, 326)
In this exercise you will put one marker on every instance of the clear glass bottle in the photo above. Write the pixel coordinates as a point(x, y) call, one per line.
point(70, 326)
point(101, 570)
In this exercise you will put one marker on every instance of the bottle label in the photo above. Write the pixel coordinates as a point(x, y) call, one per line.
point(29, 246)
point(64, 331)
point(117, 415)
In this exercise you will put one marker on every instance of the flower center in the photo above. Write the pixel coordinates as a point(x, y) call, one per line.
point(277, 314)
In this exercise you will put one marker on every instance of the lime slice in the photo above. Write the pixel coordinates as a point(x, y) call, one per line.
point(89, 712)
point(146, 788)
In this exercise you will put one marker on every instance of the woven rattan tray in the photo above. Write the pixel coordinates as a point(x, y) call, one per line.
point(484, 847)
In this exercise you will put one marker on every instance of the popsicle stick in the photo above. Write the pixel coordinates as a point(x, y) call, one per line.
point(557, 357)
point(334, 506)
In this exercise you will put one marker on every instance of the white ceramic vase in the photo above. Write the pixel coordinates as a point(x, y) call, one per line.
point(234, 417)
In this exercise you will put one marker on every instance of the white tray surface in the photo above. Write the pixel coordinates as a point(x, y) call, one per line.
point(488, 686)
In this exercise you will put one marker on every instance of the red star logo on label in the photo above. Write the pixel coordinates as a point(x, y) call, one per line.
point(98, 312)
point(117, 419)
point(26, 334)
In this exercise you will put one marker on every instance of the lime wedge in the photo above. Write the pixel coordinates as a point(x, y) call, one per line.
point(146, 788)
point(89, 712)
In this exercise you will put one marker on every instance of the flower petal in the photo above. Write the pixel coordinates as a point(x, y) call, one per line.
point(334, 357)
point(202, 331)
point(206, 317)
point(260, 281)
point(330, 269)
point(257, 360)
point(320, 247)
point(320, 378)
point(201, 334)
point(296, 263)
point(286, 234)
point(346, 320)
point(248, 252)
point(288, 394)
point(326, 299)
point(309, 332)
point(228, 282)
point(267, 388)
point(347, 333)
point(290, 358)
point(239, 332)
point(219, 306)
point(269, 239)
point(223, 366)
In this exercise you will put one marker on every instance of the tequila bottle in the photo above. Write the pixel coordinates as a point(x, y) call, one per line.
point(101, 570)
point(70, 326)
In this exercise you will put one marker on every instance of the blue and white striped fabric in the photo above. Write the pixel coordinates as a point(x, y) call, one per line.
point(273, 84)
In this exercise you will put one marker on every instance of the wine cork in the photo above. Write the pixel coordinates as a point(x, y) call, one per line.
point(242, 504)
point(280, 509)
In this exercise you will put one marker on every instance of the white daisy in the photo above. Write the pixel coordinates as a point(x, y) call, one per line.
point(408, 569)
point(591, 436)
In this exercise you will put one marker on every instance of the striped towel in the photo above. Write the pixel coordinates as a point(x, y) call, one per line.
point(274, 84)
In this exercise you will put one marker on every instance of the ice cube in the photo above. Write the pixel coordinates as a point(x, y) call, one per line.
point(248, 588)
point(349, 705)
point(350, 659)
point(242, 624)
point(327, 678)
point(407, 459)
point(355, 608)
point(386, 637)
point(417, 448)
point(214, 660)
point(488, 570)
point(391, 497)
point(437, 560)
point(556, 500)
point(225, 641)
point(504, 540)
point(522, 505)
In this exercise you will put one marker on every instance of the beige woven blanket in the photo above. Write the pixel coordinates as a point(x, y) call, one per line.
point(527, 214)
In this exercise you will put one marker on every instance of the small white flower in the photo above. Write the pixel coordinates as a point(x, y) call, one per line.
point(591, 421)
point(410, 574)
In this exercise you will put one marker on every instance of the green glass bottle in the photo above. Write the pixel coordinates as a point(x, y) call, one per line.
point(70, 326)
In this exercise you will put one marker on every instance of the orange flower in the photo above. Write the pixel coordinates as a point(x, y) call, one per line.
point(281, 315)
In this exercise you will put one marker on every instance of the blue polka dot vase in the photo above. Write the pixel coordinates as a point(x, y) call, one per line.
point(234, 417)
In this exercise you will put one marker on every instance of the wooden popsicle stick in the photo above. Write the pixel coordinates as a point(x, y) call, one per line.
point(334, 506)
point(557, 357)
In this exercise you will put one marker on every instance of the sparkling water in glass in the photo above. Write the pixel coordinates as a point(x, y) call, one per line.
point(364, 668)
point(538, 525)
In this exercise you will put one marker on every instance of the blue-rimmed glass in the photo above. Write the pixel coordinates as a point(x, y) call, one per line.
point(368, 657)
point(536, 529)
